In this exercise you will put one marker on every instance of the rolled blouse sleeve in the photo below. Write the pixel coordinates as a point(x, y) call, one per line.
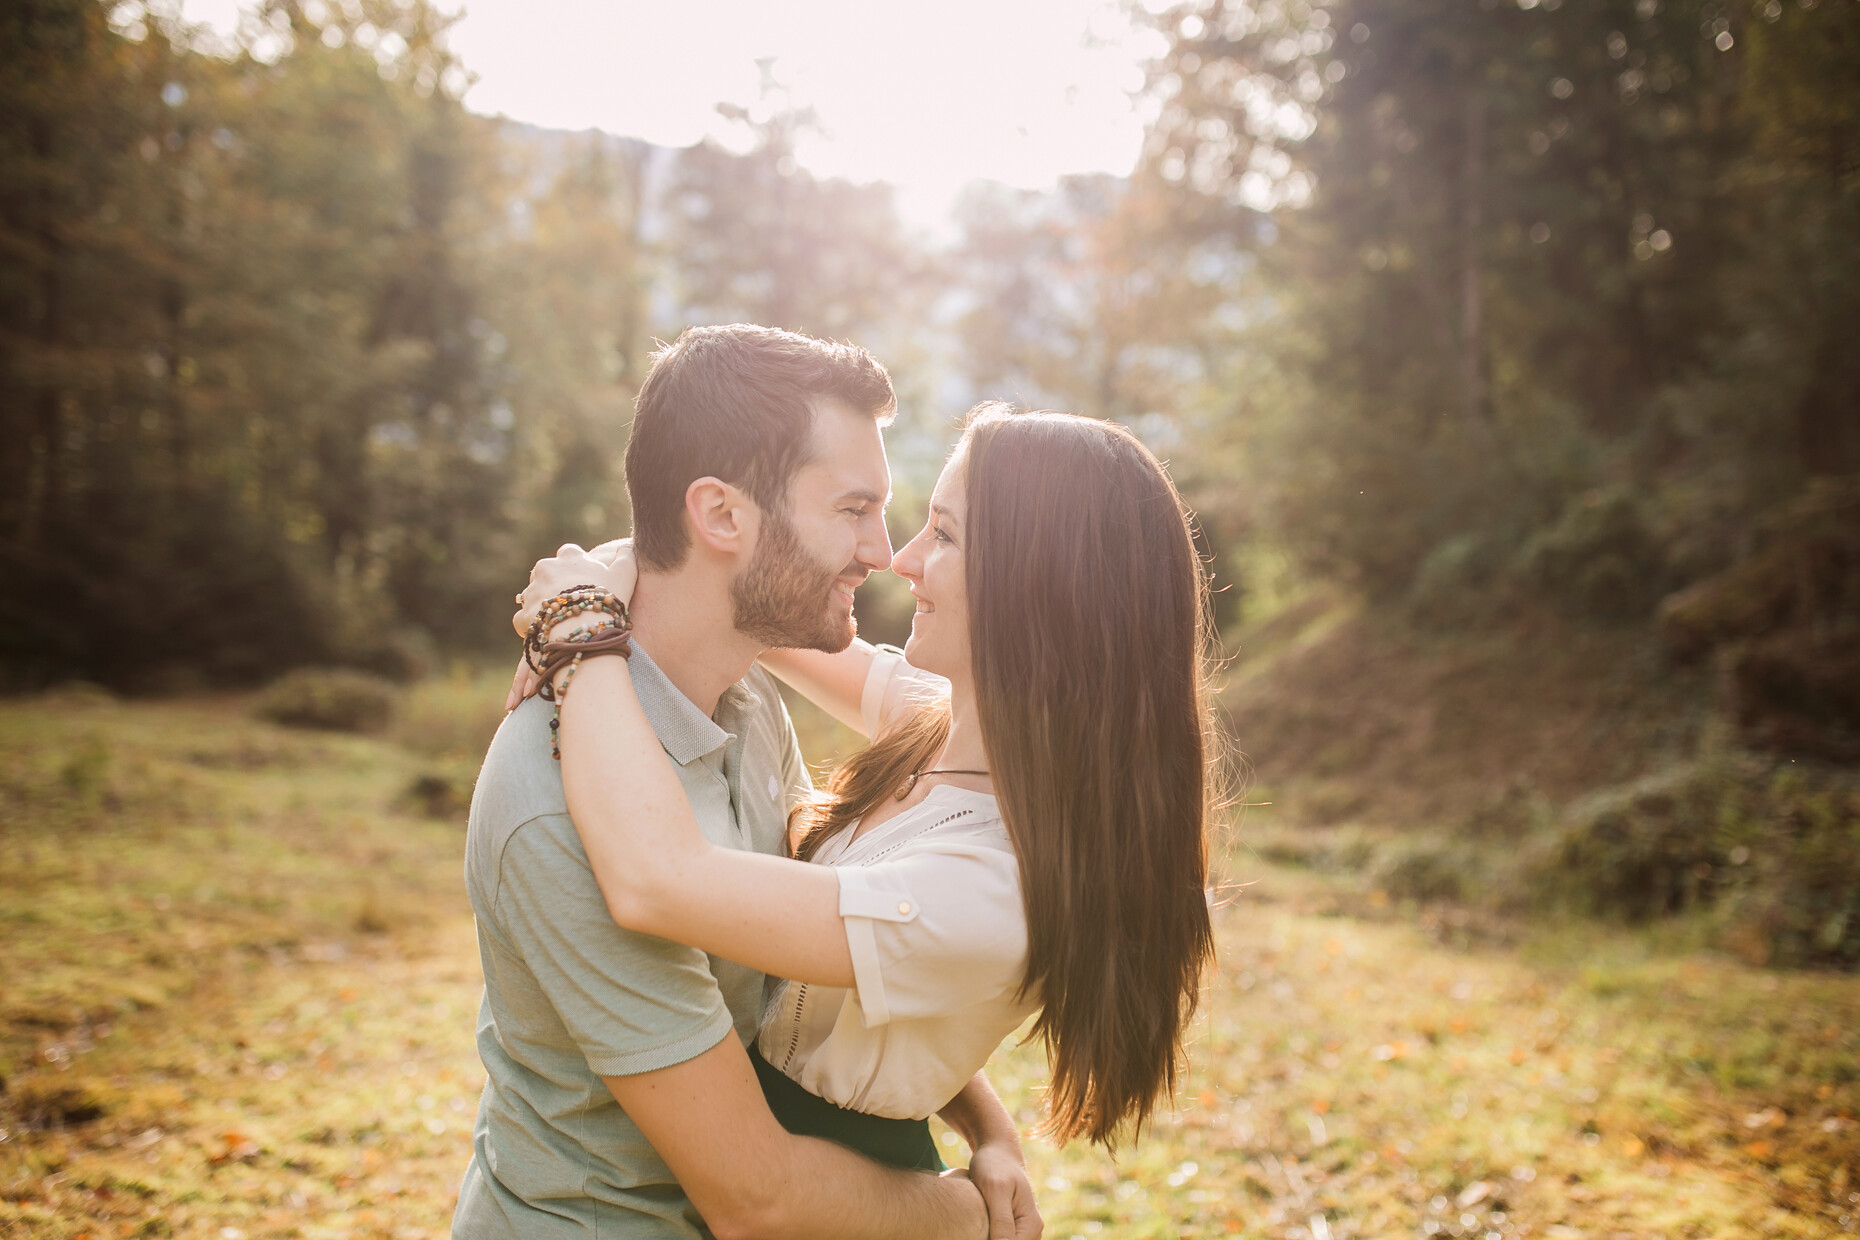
point(934, 930)
point(893, 689)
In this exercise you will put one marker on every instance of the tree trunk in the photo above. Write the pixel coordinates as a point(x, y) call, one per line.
point(1474, 379)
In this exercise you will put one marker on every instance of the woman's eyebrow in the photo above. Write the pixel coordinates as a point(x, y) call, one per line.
point(943, 511)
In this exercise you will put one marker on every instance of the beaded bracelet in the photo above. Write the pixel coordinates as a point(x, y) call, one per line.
point(570, 602)
point(602, 639)
point(560, 696)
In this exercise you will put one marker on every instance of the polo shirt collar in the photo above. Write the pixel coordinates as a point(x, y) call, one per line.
point(681, 727)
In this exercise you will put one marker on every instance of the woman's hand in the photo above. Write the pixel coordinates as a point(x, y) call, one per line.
point(997, 1171)
point(610, 565)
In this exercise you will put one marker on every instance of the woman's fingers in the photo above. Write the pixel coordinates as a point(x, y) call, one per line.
point(570, 566)
point(1007, 1193)
point(524, 684)
point(1028, 1225)
point(624, 568)
point(999, 1198)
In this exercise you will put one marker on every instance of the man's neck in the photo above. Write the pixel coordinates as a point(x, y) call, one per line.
point(683, 620)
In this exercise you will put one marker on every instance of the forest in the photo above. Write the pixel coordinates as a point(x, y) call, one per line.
point(1503, 350)
point(1465, 305)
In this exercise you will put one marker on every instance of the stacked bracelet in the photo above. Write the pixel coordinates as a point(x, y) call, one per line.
point(570, 602)
point(548, 656)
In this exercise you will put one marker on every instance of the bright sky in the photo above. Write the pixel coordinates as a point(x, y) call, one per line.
point(925, 96)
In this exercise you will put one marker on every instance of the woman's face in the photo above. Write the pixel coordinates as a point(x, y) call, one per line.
point(933, 564)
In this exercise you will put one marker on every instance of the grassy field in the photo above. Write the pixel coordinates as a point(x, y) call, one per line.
point(238, 980)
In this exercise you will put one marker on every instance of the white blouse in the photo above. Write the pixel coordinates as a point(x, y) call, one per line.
point(931, 903)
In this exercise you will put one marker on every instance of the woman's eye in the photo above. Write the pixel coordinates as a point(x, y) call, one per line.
point(942, 537)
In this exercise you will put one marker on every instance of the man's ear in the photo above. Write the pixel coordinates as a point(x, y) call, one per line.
point(723, 518)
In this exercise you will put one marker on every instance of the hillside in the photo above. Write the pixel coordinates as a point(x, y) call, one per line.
point(1540, 768)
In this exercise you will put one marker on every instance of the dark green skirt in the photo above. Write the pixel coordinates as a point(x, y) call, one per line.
point(900, 1142)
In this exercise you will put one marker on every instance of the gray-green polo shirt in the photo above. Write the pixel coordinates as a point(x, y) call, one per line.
point(569, 997)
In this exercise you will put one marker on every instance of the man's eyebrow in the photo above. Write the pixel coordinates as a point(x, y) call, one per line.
point(866, 497)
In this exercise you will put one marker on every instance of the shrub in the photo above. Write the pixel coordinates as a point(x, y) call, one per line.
point(1427, 869)
point(333, 699)
point(436, 794)
point(1454, 587)
point(1640, 850)
point(1775, 852)
point(1598, 559)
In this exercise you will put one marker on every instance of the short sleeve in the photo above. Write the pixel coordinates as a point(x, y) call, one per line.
point(933, 932)
point(632, 1003)
point(893, 688)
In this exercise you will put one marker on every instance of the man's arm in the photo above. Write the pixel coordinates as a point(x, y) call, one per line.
point(752, 1180)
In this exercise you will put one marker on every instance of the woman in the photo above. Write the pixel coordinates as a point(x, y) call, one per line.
point(1025, 833)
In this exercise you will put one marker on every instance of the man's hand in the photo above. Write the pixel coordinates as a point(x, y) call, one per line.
point(997, 1171)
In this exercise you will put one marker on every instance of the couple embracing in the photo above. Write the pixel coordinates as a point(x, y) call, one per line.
point(721, 1002)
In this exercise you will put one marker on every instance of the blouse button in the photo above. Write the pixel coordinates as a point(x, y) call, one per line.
point(904, 906)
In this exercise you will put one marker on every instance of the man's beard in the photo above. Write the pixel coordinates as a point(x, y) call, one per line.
point(784, 598)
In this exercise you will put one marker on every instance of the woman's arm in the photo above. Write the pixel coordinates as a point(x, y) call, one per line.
point(657, 871)
point(996, 1164)
point(833, 682)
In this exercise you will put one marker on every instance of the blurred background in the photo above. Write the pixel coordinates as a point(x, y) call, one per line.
point(1504, 350)
point(1456, 304)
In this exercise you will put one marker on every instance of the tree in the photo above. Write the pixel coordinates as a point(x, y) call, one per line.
point(759, 238)
point(1512, 253)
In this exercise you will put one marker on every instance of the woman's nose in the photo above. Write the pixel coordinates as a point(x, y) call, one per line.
point(906, 562)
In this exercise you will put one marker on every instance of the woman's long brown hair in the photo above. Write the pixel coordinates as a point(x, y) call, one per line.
point(1089, 632)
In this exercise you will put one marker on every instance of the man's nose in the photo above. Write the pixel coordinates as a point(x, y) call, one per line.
point(875, 546)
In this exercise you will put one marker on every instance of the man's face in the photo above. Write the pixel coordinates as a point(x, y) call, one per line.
point(797, 589)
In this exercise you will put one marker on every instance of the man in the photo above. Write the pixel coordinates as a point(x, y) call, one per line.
point(620, 1100)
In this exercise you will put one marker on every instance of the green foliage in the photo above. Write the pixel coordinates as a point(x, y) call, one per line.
point(1424, 869)
point(1598, 559)
point(1454, 584)
point(332, 699)
point(1777, 853)
point(310, 363)
point(1514, 258)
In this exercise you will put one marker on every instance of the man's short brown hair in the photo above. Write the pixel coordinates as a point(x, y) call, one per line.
point(735, 403)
